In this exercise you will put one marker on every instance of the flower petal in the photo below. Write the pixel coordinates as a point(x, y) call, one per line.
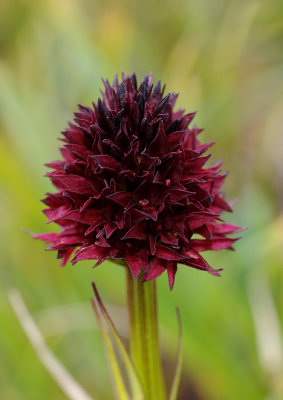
point(155, 268)
point(136, 263)
point(213, 244)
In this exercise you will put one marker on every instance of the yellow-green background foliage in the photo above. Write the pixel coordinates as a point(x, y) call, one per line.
point(225, 59)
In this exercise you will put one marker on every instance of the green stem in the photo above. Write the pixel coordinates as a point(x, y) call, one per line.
point(144, 338)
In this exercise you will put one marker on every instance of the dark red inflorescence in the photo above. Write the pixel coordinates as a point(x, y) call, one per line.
point(133, 185)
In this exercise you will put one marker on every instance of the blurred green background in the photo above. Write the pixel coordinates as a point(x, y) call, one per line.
point(225, 59)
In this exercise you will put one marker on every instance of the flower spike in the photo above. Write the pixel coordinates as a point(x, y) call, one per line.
point(133, 185)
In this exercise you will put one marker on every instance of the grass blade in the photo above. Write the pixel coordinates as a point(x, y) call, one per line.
point(121, 390)
point(137, 391)
point(65, 381)
point(178, 371)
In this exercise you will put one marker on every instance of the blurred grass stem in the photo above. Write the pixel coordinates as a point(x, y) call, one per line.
point(59, 373)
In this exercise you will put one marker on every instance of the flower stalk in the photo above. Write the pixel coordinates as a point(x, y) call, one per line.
point(144, 337)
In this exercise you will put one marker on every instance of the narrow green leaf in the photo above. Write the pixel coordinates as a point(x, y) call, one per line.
point(178, 371)
point(117, 375)
point(137, 391)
